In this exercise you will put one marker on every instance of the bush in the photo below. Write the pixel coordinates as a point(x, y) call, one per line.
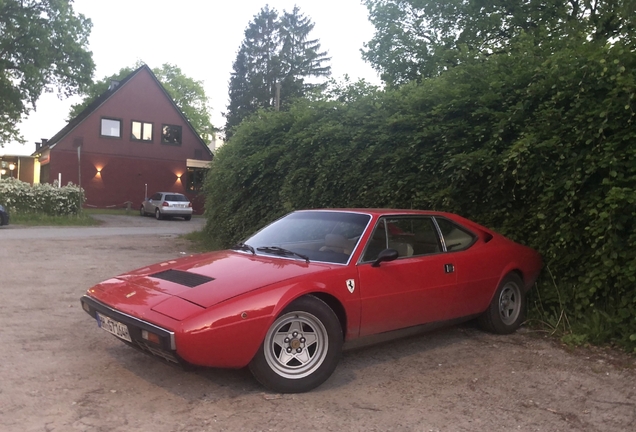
point(539, 147)
point(49, 199)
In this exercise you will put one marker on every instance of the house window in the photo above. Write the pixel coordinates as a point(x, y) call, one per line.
point(111, 128)
point(195, 179)
point(141, 131)
point(171, 134)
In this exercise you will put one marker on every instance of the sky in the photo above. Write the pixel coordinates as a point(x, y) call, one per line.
point(201, 37)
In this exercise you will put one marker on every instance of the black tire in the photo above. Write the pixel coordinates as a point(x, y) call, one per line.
point(187, 218)
point(507, 309)
point(301, 349)
point(142, 212)
point(158, 215)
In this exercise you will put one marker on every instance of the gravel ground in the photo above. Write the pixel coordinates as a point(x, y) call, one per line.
point(59, 372)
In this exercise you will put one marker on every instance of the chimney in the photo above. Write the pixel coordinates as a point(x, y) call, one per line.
point(113, 84)
point(38, 146)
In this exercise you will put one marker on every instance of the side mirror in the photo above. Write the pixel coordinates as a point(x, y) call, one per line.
point(385, 255)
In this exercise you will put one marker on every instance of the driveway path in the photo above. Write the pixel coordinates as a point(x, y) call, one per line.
point(111, 226)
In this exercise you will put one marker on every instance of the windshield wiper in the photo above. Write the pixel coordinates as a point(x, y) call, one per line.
point(281, 251)
point(245, 247)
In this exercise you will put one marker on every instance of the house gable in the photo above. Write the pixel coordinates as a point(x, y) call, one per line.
point(129, 140)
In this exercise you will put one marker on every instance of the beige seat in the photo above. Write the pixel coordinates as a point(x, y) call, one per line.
point(337, 243)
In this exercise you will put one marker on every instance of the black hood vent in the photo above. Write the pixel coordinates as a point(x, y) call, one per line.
point(182, 278)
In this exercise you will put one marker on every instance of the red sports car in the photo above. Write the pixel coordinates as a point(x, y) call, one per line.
point(285, 300)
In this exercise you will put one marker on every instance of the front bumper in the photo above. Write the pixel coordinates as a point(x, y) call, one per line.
point(166, 348)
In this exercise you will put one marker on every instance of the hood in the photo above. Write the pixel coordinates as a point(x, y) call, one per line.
point(204, 280)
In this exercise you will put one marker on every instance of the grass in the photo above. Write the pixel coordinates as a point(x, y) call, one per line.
point(37, 219)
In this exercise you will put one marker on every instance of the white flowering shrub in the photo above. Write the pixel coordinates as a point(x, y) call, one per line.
point(21, 197)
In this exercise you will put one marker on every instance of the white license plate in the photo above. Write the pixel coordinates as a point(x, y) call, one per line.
point(113, 327)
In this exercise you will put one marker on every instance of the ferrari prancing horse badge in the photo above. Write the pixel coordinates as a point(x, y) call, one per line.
point(351, 285)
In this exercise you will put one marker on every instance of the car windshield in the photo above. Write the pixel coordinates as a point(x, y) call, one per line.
point(324, 236)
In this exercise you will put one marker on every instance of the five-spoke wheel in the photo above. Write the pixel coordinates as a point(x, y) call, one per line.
point(301, 348)
point(507, 308)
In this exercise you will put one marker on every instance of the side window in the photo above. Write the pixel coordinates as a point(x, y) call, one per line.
point(455, 237)
point(410, 236)
point(156, 197)
point(377, 242)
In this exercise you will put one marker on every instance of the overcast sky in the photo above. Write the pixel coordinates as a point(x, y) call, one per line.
point(201, 37)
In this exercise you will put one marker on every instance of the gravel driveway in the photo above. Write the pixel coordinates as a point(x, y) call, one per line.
point(59, 372)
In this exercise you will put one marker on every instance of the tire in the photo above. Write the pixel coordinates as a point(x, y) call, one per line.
point(187, 218)
point(507, 309)
point(158, 215)
point(142, 212)
point(301, 349)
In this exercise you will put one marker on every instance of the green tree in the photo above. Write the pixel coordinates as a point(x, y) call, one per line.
point(43, 45)
point(277, 50)
point(187, 93)
point(416, 39)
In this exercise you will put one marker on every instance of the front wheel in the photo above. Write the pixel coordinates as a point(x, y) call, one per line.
point(301, 349)
point(507, 308)
point(142, 212)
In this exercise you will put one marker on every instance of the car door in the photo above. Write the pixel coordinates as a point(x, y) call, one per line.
point(153, 203)
point(418, 287)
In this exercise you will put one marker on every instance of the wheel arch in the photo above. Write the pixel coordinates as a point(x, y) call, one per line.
point(336, 306)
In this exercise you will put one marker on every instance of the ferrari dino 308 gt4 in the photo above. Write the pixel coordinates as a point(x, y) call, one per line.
point(285, 300)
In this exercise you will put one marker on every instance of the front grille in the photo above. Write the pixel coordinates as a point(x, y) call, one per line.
point(166, 355)
point(182, 278)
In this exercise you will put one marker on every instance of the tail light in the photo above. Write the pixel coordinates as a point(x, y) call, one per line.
point(165, 204)
point(189, 204)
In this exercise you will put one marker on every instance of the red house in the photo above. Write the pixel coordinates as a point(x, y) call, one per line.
point(130, 142)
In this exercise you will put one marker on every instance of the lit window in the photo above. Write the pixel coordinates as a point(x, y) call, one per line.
point(171, 134)
point(111, 128)
point(141, 131)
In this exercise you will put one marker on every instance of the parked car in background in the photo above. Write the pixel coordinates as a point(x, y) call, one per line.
point(285, 300)
point(4, 215)
point(166, 205)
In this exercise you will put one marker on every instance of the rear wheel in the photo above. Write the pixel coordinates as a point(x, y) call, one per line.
point(158, 215)
point(187, 218)
point(507, 308)
point(301, 349)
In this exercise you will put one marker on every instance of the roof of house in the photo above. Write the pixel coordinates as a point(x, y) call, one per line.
point(99, 100)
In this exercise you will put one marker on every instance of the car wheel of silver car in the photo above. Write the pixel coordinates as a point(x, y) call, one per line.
point(301, 349)
point(142, 212)
point(507, 308)
point(158, 214)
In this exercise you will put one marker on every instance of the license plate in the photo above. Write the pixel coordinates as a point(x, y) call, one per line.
point(113, 327)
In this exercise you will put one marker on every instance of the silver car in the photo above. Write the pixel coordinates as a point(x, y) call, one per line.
point(167, 204)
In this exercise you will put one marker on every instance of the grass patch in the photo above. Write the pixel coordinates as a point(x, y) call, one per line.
point(200, 242)
point(39, 219)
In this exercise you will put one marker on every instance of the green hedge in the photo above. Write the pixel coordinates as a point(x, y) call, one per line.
point(21, 197)
point(540, 148)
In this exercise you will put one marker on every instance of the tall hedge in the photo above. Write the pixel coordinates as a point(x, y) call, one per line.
point(539, 147)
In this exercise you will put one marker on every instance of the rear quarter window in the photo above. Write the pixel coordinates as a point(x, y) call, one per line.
point(455, 237)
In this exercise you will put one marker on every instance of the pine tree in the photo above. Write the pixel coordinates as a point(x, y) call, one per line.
point(275, 50)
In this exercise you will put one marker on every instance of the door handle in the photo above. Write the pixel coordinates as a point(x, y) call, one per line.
point(449, 268)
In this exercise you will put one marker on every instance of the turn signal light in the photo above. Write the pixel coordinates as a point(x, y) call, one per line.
point(150, 337)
